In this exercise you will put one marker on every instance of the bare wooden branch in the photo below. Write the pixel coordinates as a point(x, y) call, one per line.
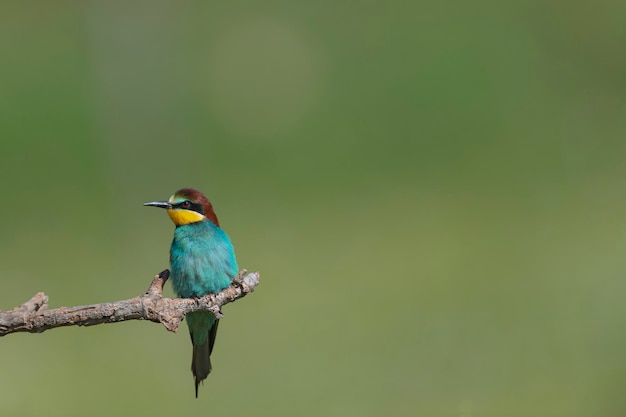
point(34, 317)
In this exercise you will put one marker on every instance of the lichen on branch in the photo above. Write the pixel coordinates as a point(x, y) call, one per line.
point(34, 317)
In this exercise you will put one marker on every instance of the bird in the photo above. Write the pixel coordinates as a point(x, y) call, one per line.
point(202, 261)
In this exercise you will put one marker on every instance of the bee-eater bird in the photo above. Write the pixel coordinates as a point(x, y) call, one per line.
point(202, 261)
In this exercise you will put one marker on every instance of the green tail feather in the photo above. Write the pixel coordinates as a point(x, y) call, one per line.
point(201, 363)
point(201, 358)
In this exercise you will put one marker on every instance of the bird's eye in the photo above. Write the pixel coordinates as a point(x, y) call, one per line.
point(186, 204)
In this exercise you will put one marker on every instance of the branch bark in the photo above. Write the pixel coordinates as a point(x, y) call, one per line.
point(34, 317)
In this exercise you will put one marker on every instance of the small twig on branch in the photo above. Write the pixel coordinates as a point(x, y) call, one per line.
point(34, 317)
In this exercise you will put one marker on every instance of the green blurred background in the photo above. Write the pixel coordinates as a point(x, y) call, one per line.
point(433, 193)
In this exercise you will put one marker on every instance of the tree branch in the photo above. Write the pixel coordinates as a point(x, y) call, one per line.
point(34, 317)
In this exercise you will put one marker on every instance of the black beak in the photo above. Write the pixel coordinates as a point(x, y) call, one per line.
point(161, 204)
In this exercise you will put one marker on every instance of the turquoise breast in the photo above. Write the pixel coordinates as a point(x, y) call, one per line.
point(202, 259)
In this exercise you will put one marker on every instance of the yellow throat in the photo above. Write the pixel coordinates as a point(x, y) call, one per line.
point(182, 216)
